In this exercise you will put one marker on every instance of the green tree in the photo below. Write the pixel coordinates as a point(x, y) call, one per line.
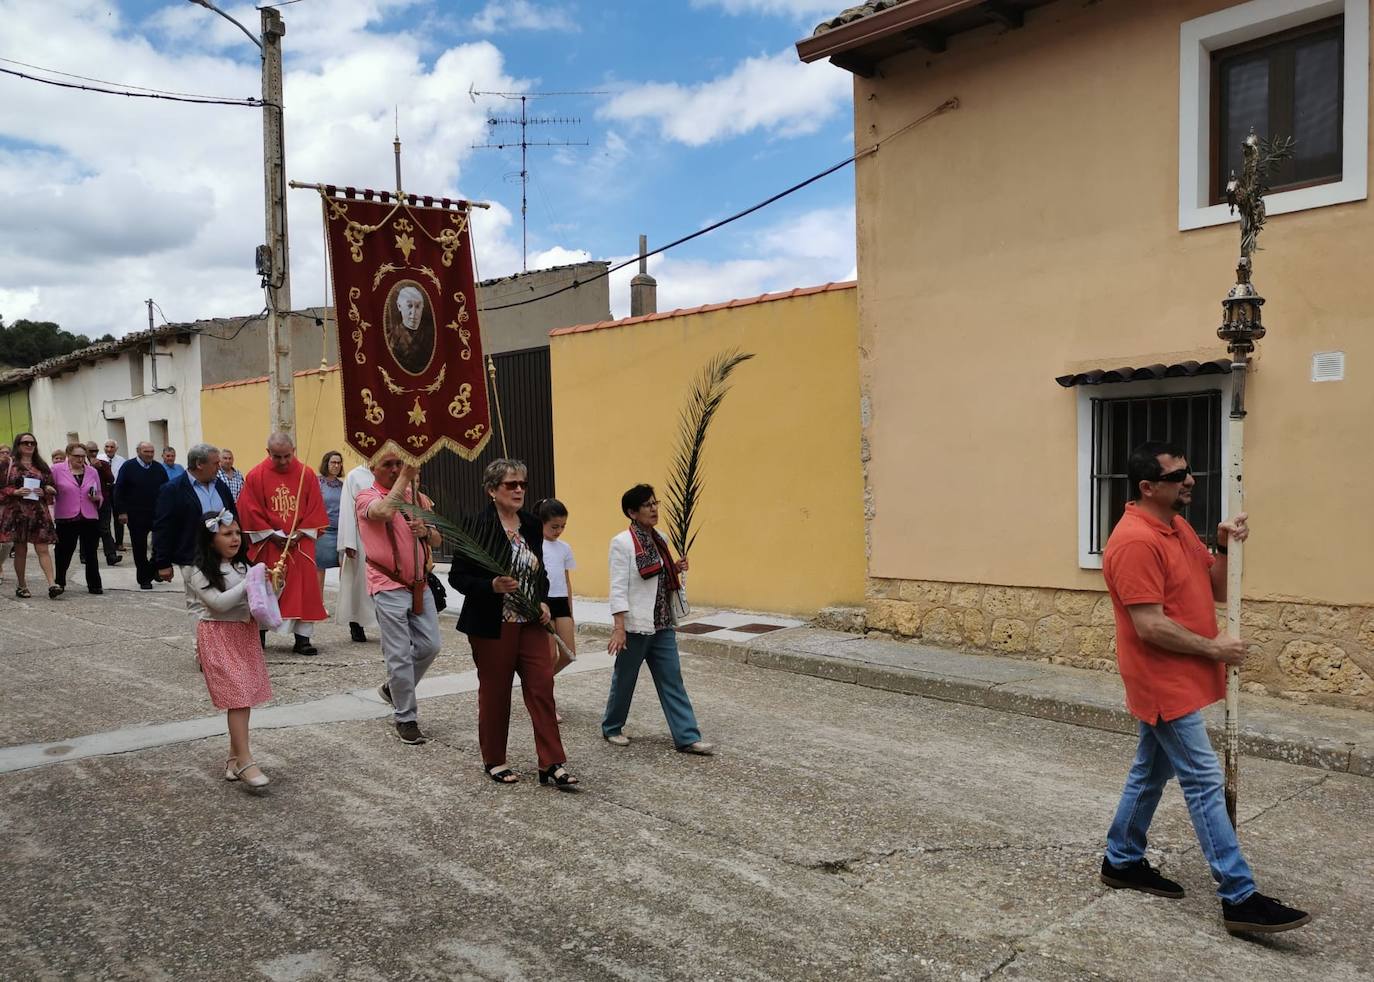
point(25, 343)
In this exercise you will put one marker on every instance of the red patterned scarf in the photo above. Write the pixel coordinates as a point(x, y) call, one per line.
point(652, 555)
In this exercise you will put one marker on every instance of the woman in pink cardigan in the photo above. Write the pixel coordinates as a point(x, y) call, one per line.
point(77, 514)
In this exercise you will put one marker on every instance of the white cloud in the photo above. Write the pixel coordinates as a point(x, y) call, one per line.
point(806, 249)
point(520, 15)
point(785, 8)
point(774, 93)
point(105, 200)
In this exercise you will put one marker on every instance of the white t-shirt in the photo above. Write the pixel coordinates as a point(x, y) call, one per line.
point(558, 559)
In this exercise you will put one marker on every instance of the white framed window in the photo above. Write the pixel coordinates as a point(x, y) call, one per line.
point(1114, 419)
point(1245, 24)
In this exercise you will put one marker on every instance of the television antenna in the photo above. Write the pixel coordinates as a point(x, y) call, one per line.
point(524, 121)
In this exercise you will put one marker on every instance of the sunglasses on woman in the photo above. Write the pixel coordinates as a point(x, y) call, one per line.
point(515, 485)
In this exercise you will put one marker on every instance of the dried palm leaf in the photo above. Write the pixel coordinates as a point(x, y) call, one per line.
point(685, 481)
point(489, 550)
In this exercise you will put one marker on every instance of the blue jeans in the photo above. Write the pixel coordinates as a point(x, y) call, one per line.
point(660, 651)
point(1180, 748)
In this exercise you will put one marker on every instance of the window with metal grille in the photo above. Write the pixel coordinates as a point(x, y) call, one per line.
point(1192, 420)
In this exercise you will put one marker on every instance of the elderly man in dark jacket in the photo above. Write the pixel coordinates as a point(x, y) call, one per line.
point(136, 489)
point(181, 503)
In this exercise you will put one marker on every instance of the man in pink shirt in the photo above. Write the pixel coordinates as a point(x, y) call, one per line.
point(397, 549)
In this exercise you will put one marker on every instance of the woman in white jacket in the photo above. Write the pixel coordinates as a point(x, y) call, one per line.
point(644, 585)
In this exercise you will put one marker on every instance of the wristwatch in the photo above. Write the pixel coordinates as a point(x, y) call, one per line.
point(1221, 550)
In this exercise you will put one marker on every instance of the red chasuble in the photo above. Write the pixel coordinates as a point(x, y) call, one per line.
point(272, 500)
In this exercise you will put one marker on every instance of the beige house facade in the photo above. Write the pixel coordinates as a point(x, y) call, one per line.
point(1041, 267)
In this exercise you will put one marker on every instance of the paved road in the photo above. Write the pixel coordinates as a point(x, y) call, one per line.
point(842, 833)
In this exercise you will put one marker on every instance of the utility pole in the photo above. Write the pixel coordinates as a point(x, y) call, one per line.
point(277, 274)
point(525, 121)
point(272, 259)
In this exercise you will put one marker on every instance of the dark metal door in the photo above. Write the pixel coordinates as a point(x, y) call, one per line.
point(526, 399)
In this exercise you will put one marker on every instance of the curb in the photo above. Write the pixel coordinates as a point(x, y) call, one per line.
point(1035, 697)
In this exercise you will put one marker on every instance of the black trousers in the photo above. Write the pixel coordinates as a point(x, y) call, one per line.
point(107, 538)
point(86, 533)
point(138, 539)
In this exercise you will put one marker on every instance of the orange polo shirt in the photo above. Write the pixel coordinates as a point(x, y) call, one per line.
point(1148, 562)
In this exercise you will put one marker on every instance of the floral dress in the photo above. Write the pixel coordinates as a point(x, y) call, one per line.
point(22, 520)
point(524, 561)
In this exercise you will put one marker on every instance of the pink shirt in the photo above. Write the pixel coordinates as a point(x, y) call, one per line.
point(73, 497)
point(377, 544)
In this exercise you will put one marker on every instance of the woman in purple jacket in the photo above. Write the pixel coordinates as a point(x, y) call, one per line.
point(77, 514)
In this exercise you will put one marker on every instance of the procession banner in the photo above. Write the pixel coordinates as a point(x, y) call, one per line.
point(410, 350)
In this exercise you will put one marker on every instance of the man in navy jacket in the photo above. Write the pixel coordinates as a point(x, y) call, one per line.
point(136, 491)
point(180, 506)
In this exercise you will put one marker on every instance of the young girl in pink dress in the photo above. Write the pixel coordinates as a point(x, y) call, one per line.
point(227, 637)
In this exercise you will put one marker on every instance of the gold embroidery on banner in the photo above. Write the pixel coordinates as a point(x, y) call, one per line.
point(404, 241)
point(283, 502)
point(475, 432)
point(464, 335)
point(462, 402)
point(356, 317)
point(372, 412)
point(395, 389)
point(364, 440)
point(450, 238)
point(417, 441)
point(417, 413)
point(430, 389)
point(354, 232)
point(386, 268)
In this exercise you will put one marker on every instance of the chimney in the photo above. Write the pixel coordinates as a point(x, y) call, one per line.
point(643, 288)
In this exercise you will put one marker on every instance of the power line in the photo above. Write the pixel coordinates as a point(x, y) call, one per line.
point(203, 100)
point(946, 106)
point(102, 81)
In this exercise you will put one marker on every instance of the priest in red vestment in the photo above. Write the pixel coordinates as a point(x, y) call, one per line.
point(280, 507)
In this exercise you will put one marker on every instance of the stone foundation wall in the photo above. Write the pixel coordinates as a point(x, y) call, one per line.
point(1304, 652)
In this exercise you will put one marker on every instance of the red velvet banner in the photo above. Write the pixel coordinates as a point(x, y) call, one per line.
point(410, 350)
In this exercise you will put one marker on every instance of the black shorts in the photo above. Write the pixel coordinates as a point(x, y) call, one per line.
point(560, 607)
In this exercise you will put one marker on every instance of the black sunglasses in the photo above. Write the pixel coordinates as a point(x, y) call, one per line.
point(515, 485)
point(1174, 477)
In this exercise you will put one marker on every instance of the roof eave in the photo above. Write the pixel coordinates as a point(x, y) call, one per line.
point(839, 41)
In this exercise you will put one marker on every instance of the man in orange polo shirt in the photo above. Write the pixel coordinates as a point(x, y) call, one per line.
point(1165, 586)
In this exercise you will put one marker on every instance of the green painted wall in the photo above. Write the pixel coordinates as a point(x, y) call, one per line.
point(14, 413)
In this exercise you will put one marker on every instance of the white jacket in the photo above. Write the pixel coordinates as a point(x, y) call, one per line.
point(631, 594)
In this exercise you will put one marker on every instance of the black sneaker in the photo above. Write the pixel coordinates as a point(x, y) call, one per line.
point(384, 691)
point(409, 732)
point(1139, 876)
point(355, 632)
point(145, 586)
point(1258, 914)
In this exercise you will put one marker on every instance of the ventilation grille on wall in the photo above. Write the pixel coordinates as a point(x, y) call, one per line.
point(1328, 366)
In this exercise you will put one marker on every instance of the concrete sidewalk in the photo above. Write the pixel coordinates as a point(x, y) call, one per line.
point(1314, 736)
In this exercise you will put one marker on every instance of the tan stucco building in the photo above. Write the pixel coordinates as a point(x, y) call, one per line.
point(1060, 223)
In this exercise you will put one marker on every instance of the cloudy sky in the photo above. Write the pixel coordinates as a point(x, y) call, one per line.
point(704, 109)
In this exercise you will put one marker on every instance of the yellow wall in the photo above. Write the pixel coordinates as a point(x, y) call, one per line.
point(1034, 231)
point(782, 514)
point(234, 415)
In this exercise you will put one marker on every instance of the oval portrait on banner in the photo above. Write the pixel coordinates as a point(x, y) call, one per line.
point(409, 326)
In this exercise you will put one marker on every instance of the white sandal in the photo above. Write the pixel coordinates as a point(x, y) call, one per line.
point(261, 781)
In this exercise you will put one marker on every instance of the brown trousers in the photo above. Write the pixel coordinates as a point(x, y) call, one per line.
point(522, 649)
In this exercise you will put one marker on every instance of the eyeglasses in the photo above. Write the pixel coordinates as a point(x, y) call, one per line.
point(650, 504)
point(515, 485)
point(28, 443)
point(1174, 477)
point(76, 456)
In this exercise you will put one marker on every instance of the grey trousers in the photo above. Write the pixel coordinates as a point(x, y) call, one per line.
point(409, 643)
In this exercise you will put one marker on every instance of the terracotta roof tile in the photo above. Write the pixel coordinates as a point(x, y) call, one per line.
point(706, 308)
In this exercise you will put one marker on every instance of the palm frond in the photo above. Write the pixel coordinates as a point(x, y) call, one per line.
point(490, 552)
point(685, 477)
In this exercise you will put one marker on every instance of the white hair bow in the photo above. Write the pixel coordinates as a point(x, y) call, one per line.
point(225, 517)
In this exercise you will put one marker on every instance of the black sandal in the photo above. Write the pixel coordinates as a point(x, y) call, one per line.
point(22, 593)
point(504, 776)
point(56, 591)
point(562, 780)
